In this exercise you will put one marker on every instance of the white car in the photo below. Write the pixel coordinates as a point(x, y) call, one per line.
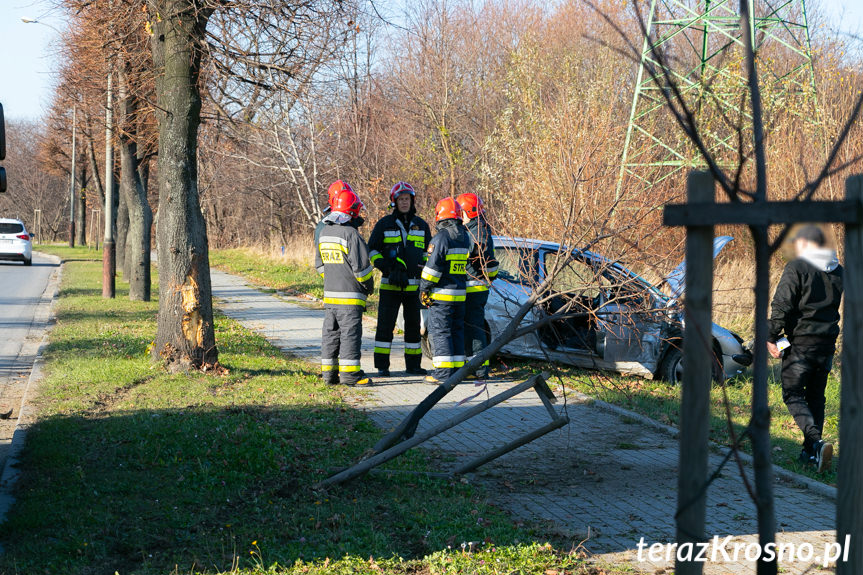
point(15, 241)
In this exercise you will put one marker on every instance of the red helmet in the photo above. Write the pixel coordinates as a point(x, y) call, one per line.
point(471, 204)
point(447, 209)
point(399, 189)
point(335, 188)
point(347, 202)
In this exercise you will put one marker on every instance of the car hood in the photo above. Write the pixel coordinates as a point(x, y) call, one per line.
point(676, 280)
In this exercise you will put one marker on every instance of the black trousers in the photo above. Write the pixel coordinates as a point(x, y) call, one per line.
point(446, 329)
point(804, 377)
point(388, 311)
point(341, 344)
point(475, 338)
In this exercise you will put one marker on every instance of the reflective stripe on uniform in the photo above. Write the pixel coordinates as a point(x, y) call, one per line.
point(374, 255)
point(329, 364)
point(444, 361)
point(448, 294)
point(344, 298)
point(365, 274)
point(349, 365)
point(392, 237)
point(383, 347)
point(457, 254)
point(413, 349)
point(474, 286)
point(333, 240)
point(430, 274)
point(413, 285)
point(470, 357)
point(491, 271)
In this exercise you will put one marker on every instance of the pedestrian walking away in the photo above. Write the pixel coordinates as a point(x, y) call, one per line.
point(442, 289)
point(481, 271)
point(805, 310)
point(342, 259)
point(398, 249)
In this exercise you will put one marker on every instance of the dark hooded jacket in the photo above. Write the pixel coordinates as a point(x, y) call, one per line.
point(805, 306)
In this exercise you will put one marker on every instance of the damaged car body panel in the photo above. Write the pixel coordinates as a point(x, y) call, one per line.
point(626, 324)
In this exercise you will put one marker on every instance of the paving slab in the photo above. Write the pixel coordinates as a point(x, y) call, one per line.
point(605, 481)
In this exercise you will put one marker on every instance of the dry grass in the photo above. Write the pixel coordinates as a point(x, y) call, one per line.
point(299, 250)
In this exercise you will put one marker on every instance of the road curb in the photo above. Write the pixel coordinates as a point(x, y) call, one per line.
point(43, 320)
point(815, 486)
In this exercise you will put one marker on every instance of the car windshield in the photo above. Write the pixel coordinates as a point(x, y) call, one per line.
point(11, 228)
point(516, 265)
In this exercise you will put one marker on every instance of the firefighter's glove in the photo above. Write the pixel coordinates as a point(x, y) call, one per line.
point(425, 299)
point(398, 274)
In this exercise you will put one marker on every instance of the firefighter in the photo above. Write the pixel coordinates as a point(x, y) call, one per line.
point(442, 289)
point(332, 192)
point(481, 271)
point(398, 248)
point(342, 258)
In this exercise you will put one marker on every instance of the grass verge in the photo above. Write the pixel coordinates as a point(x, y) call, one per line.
point(284, 273)
point(129, 469)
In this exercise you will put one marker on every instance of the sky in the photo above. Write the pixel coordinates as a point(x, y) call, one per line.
point(28, 51)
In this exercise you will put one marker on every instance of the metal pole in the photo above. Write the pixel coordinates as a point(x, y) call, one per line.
point(72, 180)
point(109, 265)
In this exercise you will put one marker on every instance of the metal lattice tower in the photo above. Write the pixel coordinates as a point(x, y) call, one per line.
point(702, 42)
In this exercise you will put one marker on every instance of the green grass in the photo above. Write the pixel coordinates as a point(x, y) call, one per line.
point(130, 469)
point(279, 274)
point(661, 401)
point(288, 276)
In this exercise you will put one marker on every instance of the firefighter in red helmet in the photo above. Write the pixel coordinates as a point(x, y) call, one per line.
point(332, 192)
point(481, 271)
point(342, 258)
point(398, 248)
point(442, 289)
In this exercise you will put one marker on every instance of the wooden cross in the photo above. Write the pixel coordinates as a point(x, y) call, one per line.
point(699, 215)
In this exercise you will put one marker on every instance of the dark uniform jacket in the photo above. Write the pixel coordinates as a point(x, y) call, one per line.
point(806, 303)
point(396, 237)
point(342, 258)
point(444, 276)
point(481, 265)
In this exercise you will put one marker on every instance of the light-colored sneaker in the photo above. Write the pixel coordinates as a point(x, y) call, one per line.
point(823, 455)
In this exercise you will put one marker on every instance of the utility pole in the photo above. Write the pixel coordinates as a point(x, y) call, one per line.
point(109, 261)
point(72, 180)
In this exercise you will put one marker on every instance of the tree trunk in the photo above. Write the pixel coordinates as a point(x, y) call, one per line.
point(136, 240)
point(81, 206)
point(122, 223)
point(185, 337)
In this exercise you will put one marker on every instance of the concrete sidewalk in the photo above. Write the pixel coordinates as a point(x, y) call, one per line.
point(604, 478)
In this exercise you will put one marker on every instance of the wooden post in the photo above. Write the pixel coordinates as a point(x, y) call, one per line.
point(697, 364)
point(849, 504)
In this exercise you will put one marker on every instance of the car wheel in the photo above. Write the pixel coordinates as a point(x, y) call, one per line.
point(426, 345)
point(28, 262)
point(672, 367)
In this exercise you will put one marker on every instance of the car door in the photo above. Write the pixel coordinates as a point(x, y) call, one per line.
point(628, 318)
point(516, 278)
point(574, 291)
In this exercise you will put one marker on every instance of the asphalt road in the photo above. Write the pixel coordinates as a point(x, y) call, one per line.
point(21, 291)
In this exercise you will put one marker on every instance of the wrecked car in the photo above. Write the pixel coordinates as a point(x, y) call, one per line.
point(615, 320)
